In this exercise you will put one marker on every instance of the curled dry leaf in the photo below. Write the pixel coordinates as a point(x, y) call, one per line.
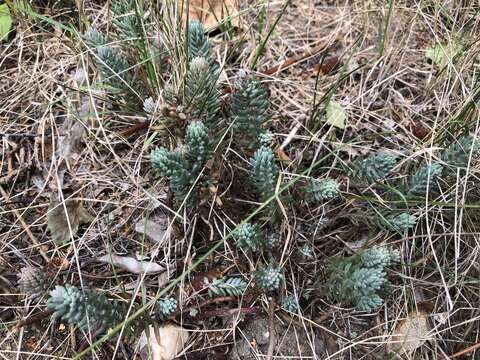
point(410, 333)
point(131, 264)
point(212, 13)
point(167, 345)
point(58, 219)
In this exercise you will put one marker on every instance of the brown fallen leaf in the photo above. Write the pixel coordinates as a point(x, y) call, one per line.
point(328, 66)
point(58, 219)
point(167, 345)
point(410, 333)
point(212, 13)
point(282, 156)
point(131, 264)
point(419, 130)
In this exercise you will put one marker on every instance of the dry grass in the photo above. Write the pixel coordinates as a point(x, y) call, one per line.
point(395, 99)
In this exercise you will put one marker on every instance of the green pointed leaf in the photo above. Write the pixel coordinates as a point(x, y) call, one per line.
point(442, 54)
point(5, 21)
point(336, 115)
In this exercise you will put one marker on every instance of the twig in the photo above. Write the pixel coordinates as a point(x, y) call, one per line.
point(33, 319)
point(465, 351)
point(135, 128)
point(227, 312)
point(26, 228)
point(294, 60)
point(271, 329)
point(292, 133)
point(17, 172)
point(215, 300)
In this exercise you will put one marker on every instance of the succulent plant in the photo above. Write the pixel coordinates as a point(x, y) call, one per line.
point(265, 138)
point(227, 287)
point(126, 18)
point(373, 168)
point(320, 190)
point(198, 44)
point(202, 98)
point(424, 180)
point(183, 166)
point(359, 278)
point(268, 277)
point(166, 306)
point(399, 222)
point(306, 251)
point(88, 309)
point(290, 304)
point(265, 172)
point(248, 237)
point(110, 62)
point(380, 257)
point(458, 153)
point(273, 240)
point(249, 105)
point(198, 145)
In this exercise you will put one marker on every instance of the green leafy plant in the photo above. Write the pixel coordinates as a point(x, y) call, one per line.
point(89, 310)
point(166, 306)
point(249, 105)
point(290, 304)
point(320, 190)
point(398, 222)
point(110, 62)
point(5, 21)
point(374, 168)
point(359, 278)
point(182, 166)
point(268, 277)
point(249, 237)
point(226, 287)
point(202, 97)
point(265, 172)
point(424, 179)
point(198, 45)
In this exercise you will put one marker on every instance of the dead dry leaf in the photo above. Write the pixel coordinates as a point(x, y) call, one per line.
point(131, 264)
point(282, 156)
point(167, 345)
point(410, 333)
point(212, 13)
point(58, 219)
point(156, 229)
point(80, 111)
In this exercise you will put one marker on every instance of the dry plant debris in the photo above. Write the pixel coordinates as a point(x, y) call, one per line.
point(212, 13)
